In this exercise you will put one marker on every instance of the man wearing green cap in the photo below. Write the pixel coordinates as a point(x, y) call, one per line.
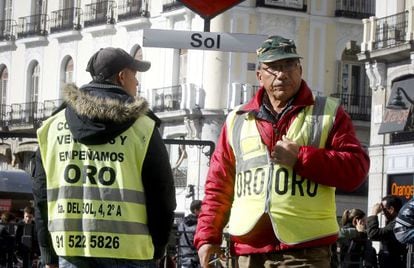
point(277, 163)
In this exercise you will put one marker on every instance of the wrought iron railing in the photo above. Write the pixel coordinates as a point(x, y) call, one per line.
point(26, 114)
point(49, 106)
point(128, 9)
point(7, 28)
point(5, 113)
point(357, 106)
point(34, 25)
point(170, 5)
point(65, 20)
point(356, 9)
point(402, 137)
point(167, 98)
point(98, 13)
point(391, 30)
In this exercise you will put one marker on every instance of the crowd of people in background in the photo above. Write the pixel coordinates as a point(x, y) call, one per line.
point(357, 232)
point(354, 247)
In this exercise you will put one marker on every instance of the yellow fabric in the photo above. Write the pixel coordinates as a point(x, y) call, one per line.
point(96, 200)
point(300, 210)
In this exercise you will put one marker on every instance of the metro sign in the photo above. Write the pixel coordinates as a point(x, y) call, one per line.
point(228, 42)
point(209, 8)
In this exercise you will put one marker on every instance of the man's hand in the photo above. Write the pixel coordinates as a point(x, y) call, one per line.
point(285, 152)
point(206, 252)
point(376, 209)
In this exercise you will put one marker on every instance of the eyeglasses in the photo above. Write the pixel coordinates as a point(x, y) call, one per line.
point(277, 68)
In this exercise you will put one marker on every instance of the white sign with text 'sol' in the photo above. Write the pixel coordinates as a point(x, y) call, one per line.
point(230, 42)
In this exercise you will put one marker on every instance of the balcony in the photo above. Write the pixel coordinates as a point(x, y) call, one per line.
point(49, 106)
point(5, 112)
point(65, 20)
point(34, 25)
point(7, 34)
point(65, 24)
point(358, 9)
point(171, 5)
point(99, 18)
point(7, 30)
point(388, 38)
point(25, 116)
point(133, 14)
point(99, 13)
point(358, 107)
point(167, 99)
point(32, 30)
point(129, 9)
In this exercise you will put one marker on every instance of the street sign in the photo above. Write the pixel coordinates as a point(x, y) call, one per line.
point(229, 42)
point(211, 8)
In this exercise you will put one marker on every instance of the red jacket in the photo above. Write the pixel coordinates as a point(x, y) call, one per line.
point(343, 164)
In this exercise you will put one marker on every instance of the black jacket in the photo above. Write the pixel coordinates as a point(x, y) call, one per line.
point(95, 114)
point(391, 251)
point(187, 252)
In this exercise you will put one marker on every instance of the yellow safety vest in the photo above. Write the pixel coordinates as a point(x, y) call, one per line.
point(300, 210)
point(95, 195)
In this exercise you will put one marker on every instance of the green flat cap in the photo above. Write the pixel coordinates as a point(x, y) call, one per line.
point(276, 48)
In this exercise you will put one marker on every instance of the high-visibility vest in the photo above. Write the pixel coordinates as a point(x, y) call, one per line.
point(95, 196)
point(300, 210)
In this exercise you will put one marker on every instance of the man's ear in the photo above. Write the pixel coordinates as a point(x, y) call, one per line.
point(121, 78)
point(259, 77)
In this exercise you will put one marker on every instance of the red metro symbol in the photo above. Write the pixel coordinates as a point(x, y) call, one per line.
point(208, 9)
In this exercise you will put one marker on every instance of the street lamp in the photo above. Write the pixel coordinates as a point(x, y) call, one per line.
point(397, 103)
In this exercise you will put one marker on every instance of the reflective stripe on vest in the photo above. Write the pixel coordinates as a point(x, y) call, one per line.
point(96, 199)
point(300, 210)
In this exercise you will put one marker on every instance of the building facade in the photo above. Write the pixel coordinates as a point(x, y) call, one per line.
point(388, 52)
point(46, 44)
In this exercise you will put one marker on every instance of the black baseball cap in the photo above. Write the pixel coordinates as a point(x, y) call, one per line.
point(108, 61)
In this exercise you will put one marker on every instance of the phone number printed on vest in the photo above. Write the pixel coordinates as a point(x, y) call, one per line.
point(83, 241)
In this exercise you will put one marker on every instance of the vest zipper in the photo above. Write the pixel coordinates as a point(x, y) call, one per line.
point(269, 187)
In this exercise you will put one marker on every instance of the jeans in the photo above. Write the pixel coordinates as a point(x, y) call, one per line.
point(86, 262)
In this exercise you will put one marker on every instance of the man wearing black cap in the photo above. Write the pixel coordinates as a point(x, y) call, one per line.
point(273, 174)
point(103, 186)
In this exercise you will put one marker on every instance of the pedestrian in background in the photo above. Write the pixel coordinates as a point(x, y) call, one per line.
point(277, 162)
point(391, 253)
point(404, 224)
point(187, 252)
point(103, 188)
point(26, 239)
point(355, 250)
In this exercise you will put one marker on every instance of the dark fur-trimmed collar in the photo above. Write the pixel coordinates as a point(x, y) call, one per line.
point(106, 103)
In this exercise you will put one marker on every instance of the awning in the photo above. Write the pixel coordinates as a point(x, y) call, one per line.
point(15, 184)
point(394, 121)
point(29, 146)
point(5, 153)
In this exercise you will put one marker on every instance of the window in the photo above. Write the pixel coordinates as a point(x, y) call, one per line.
point(352, 81)
point(4, 78)
point(33, 95)
point(68, 70)
point(63, 4)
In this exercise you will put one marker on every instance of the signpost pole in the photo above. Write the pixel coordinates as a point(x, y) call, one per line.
point(207, 24)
